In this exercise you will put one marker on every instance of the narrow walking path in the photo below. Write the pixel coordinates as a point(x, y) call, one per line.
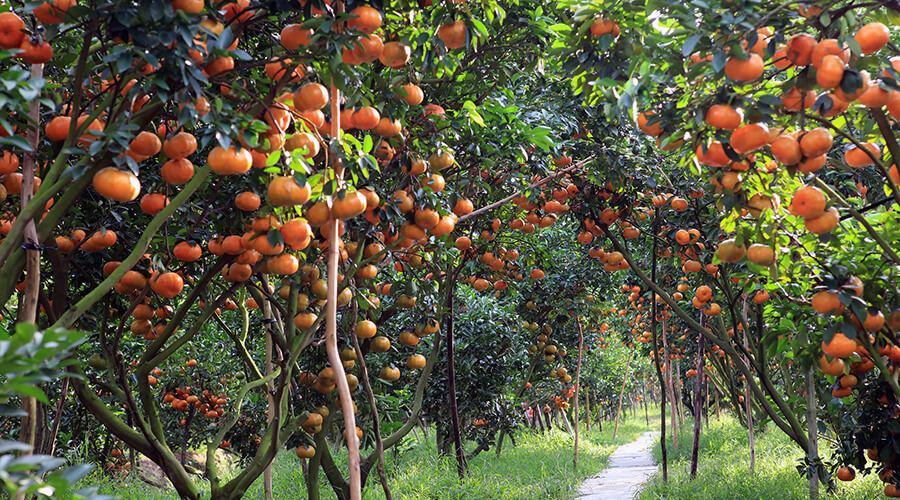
point(629, 466)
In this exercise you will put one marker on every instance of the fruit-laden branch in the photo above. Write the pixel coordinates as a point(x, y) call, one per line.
point(518, 193)
point(140, 246)
point(876, 358)
point(181, 312)
point(886, 132)
point(862, 220)
point(799, 437)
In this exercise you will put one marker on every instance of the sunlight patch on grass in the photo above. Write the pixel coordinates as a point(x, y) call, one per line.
point(724, 468)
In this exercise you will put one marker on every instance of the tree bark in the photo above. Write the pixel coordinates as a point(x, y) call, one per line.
point(670, 385)
point(656, 356)
point(331, 346)
point(622, 393)
point(748, 407)
point(451, 390)
point(811, 424)
point(577, 381)
point(698, 400)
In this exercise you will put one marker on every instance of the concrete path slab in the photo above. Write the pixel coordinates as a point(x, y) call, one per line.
point(629, 466)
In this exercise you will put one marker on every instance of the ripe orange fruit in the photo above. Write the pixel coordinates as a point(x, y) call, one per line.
point(229, 161)
point(840, 346)
point(872, 37)
point(395, 55)
point(830, 71)
point(310, 97)
point(828, 46)
point(856, 94)
point(796, 99)
point(715, 155)
point(367, 19)
point(177, 171)
point(857, 157)
point(293, 36)
point(816, 142)
point(749, 138)
point(729, 251)
point(652, 130)
point(761, 254)
point(351, 204)
point(825, 302)
point(11, 30)
point(743, 71)
point(152, 203)
point(247, 201)
point(146, 144)
point(53, 11)
point(723, 116)
point(808, 202)
point(823, 223)
point(180, 145)
point(799, 49)
point(786, 150)
point(167, 284)
point(414, 95)
point(601, 26)
point(453, 35)
point(834, 367)
point(119, 185)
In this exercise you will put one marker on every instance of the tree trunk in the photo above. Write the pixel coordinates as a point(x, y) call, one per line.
point(270, 390)
point(577, 381)
point(622, 393)
point(670, 386)
point(698, 400)
point(331, 345)
point(812, 454)
point(451, 390)
point(748, 407)
point(27, 312)
point(587, 409)
point(656, 356)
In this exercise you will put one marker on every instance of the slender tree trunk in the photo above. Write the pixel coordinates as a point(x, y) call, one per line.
point(376, 422)
point(577, 381)
point(646, 411)
point(677, 387)
point(270, 393)
point(27, 312)
point(451, 390)
point(565, 419)
point(706, 399)
point(54, 431)
point(622, 393)
point(656, 355)
point(698, 399)
point(813, 453)
point(748, 406)
point(670, 386)
point(587, 409)
point(331, 345)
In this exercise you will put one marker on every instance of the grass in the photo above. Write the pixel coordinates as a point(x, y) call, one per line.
point(724, 470)
point(539, 466)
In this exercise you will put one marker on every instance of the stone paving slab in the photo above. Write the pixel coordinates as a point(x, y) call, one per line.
point(629, 466)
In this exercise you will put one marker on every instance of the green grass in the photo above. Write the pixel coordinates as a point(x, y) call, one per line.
point(724, 468)
point(539, 466)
